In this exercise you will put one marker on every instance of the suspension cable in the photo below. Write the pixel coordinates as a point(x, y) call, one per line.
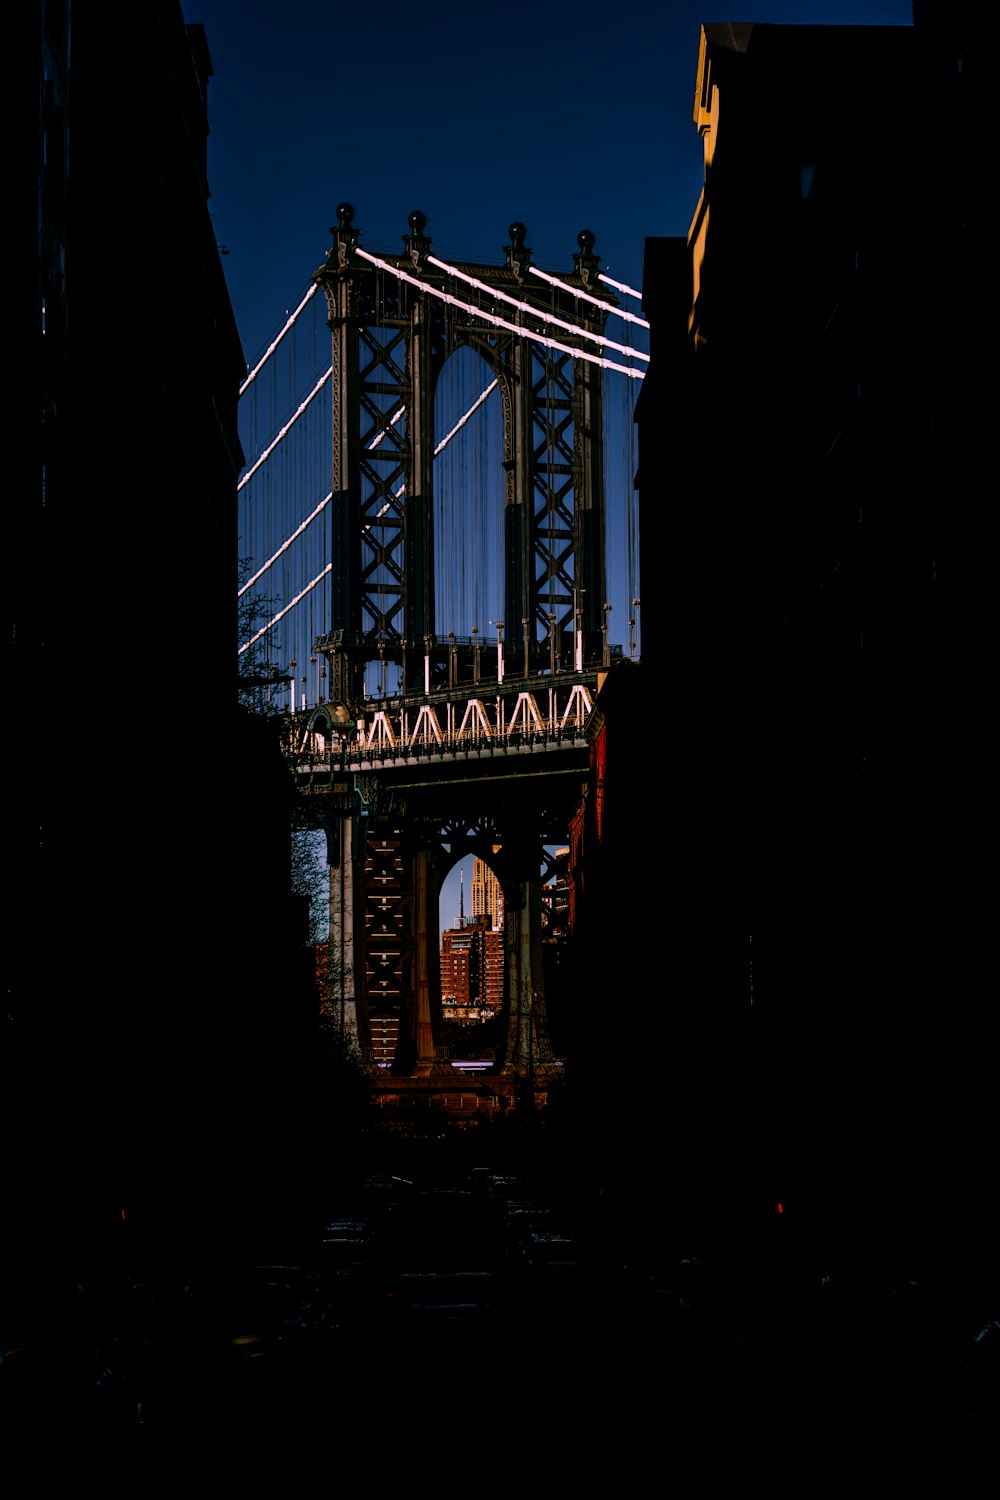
point(462, 420)
point(375, 442)
point(285, 545)
point(469, 307)
point(271, 347)
point(597, 301)
point(287, 427)
point(290, 605)
point(478, 312)
point(620, 286)
point(545, 317)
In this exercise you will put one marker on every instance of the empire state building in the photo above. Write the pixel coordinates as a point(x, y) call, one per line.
point(487, 897)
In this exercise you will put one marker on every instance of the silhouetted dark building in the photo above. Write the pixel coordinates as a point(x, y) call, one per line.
point(831, 597)
point(815, 446)
point(151, 918)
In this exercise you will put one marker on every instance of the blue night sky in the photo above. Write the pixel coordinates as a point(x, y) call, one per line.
point(564, 116)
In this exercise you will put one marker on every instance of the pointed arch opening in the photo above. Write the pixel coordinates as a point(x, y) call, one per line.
point(472, 956)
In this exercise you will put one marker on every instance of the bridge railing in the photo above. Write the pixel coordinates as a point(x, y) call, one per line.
point(546, 713)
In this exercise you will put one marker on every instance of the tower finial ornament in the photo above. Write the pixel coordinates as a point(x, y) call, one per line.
point(345, 238)
point(517, 253)
point(416, 242)
point(586, 262)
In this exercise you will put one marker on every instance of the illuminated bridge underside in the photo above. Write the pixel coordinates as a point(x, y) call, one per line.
point(544, 715)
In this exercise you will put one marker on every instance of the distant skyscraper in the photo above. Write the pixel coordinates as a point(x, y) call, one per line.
point(472, 970)
point(487, 897)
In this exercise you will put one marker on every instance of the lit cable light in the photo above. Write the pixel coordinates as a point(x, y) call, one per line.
point(387, 506)
point(597, 301)
point(544, 317)
point(381, 435)
point(271, 347)
point(620, 286)
point(462, 420)
point(477, 312)
point(287, 427)
point(283, 612)
point(285, 545)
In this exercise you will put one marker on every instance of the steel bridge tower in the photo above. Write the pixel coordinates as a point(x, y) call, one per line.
point(480, 750)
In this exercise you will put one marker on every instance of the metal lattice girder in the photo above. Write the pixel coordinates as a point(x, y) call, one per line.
point(385, 938)
point(458, 833)
point(554, 477)
point(395, 320)
point(383, 392)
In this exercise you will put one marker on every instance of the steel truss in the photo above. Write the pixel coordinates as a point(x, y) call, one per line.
point(391, 339)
